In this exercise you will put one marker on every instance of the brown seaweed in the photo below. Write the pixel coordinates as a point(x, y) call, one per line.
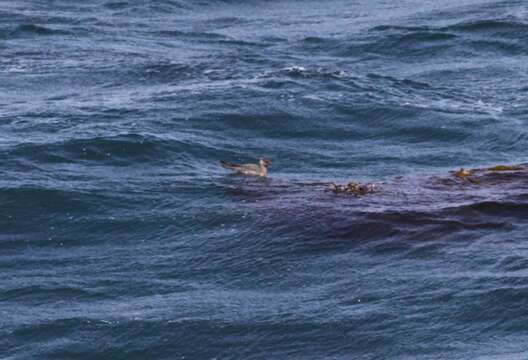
point(353, 188)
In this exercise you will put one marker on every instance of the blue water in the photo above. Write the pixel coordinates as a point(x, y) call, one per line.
point(121, 237)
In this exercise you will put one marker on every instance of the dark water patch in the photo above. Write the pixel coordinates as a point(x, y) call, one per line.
point(395, 82)
point(480, 306)
point(207, 38)
point(163, 72)
point(28, 202)
point(38, 294)
point(10, 18)
point(116, 151)
point(54, 329)
point(372, 112)
point(505, 27)
point(336, 230)
point(494, 26)
point(315, 40)
point(515, 178)
point(227, 21)
point(320, 45)
point(380, 234)
point(437, 223)
point(116, 5)
point(405, 40)
point(402, 46)
point(280, 125)
point(38, 30)
point(275, 39)
point(4, 34)
point(428, 134)
point(421, 40)
point(110, 220)
point(383, 28)
point(358, 230)
point(193, 35)
point(512, 263)
point(499, 47)
point(239, 334)
point(427, 251)
point(417, 37)
point(171, 5)
point(124, 9)
point(493, 208)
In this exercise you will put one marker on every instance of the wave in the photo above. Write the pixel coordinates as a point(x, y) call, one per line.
point(133, 7)
point(40, 293)
point(132, 147)
point(415, 33)
point(491, 208)
point(502, 36)
point(163, 72)
point(118, 150)
point(497, 26)
point(479, 26)
point(208, 38)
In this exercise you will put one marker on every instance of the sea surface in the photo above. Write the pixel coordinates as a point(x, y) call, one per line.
point(121, 237)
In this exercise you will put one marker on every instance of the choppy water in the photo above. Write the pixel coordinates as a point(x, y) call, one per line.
point(122, 238)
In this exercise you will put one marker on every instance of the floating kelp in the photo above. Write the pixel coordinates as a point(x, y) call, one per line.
point(353, 188)
point(499, 168)
point(475, 176)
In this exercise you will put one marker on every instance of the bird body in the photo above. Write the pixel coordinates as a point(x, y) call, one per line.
point(463, 173)
point(260, 169)
point(465, 176)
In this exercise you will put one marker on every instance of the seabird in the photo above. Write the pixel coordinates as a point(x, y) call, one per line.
point(464, 175)
point(260, 169)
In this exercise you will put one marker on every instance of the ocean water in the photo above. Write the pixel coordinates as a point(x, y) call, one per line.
point(121, 237)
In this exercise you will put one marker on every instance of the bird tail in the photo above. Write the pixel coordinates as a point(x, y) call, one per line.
point(228, 165)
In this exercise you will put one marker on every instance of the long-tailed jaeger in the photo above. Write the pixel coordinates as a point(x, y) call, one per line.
point(260, 169)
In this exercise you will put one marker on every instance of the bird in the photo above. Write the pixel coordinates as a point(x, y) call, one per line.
point(260, 169)
point(464, 176)
point(463, 173)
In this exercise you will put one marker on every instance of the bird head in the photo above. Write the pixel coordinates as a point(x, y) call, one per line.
point(264, 162)
point(462, 173)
